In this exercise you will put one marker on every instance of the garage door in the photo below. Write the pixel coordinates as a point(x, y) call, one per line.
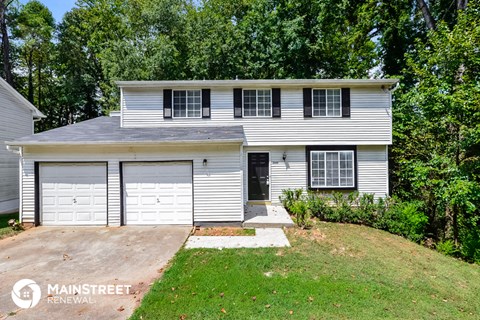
point(158, 193)
point(73, 194)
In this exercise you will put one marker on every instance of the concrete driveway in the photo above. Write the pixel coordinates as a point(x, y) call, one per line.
point(89, 269)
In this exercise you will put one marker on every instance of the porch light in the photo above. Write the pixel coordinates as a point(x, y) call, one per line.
point(284, 156)
point(204, 162)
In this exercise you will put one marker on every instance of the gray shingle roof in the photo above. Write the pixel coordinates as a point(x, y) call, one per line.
point(106, 130)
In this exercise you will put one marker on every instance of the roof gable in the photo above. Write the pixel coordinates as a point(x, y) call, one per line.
point(24, 102)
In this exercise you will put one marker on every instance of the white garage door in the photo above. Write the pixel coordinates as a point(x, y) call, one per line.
point(158, 193)
point(73, 194)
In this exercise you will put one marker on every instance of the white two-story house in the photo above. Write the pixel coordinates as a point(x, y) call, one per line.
point(196, 152)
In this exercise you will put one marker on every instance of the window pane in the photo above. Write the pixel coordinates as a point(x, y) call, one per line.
point(318, 169)
point(249, 103)
point(187, 103)
point(264, 103)
point(194, 105)
point(179, 104)
point(332, 169)
point(346, 169)
point(319, 103)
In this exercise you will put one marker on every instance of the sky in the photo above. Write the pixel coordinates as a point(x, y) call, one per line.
point(58, 7)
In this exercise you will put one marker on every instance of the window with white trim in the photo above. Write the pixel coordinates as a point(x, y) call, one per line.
point(327, 103)
point(257, 103)
point(332, 169)
point(187, 104)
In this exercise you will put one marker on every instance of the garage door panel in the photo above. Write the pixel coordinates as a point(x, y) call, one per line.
point(65, 216)
point(152, 192)
point(73, 194)
point(100, 201)
point(148, 200)
point(65, 201)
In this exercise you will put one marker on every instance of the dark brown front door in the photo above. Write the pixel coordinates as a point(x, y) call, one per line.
point(258, 176)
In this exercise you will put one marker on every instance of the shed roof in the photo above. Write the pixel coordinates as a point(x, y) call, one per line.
point(107, 130)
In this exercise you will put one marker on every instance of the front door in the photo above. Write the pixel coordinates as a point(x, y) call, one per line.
point(258, 176)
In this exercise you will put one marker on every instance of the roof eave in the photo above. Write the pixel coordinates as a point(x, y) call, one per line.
point(119, 143)
point(21, 99)
point(267, 82)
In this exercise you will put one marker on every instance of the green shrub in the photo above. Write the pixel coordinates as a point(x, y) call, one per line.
point(342, 208)
point(402, 218)
point(302, 214)
point(289, 197)
point(447, 247)
point(469, 238)
point(407, 219)
point(318, 205)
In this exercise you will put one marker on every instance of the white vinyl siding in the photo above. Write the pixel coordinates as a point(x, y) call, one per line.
point(257, 103)
point(332, 169)
point(369, 124)
point(372, 166)
point(16, 121)
point(327, 102)
point(217, 186)
point(372, 169)
point(113, 177)
point(187, 104)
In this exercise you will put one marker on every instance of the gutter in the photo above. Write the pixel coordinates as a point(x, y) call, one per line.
point(394, 87)
point(11, 148)
point(267, 82)
point(98, 143)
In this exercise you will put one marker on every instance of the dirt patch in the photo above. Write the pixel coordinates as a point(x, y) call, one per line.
point(224, 231)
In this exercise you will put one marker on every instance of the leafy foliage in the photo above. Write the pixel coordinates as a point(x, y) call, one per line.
point(406, 219)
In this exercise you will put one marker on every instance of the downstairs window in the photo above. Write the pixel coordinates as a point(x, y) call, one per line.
point(332, 169)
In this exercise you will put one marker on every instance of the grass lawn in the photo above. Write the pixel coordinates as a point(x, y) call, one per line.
point(333, 271)
point(5, 229)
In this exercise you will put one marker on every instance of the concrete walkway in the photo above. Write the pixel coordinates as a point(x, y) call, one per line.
point(266, 216)
point(264, 238)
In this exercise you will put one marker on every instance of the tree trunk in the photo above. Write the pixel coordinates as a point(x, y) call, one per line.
point(30, 77)
point(426, 14)
point(462, 4)
point(7, 67)
point(39, 99)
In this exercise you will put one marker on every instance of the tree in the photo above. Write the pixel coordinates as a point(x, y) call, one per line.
point(7, 66)
point(436, 134)
point(34, 29)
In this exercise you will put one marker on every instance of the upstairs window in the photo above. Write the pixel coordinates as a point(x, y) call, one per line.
point(327, 103)
point(187, 104)
point(332, 169)
point(257, 103)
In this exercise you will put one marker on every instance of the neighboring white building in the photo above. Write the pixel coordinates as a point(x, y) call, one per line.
point(16, 120)
point(194, 152)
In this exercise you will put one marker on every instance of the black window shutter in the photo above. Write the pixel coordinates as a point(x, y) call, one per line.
point(237, 103)
point(276, 103)
point(167, 103)
point(307, 102)
point(345, 102)
point(205, 103)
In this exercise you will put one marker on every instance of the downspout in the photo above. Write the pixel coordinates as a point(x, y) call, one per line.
point(391, 91)
point(20, 185)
